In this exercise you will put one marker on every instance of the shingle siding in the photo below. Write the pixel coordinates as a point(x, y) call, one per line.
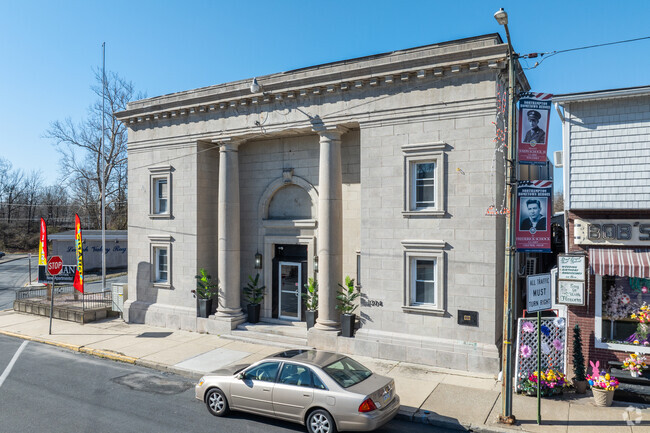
point(609, 153)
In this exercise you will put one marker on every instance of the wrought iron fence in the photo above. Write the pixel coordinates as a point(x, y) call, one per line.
point(67, 296)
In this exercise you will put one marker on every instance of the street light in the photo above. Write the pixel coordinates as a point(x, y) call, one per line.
point(511, 180)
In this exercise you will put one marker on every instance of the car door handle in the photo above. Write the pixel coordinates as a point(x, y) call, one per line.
point(306, 395)
point(266, 389)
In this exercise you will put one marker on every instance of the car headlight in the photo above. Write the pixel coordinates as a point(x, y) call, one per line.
point(201, 381)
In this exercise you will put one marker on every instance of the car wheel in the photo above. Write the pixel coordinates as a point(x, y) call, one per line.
point(216, 402)
point(320, 421)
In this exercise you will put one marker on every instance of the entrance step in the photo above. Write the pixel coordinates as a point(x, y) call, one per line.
point(288, 335)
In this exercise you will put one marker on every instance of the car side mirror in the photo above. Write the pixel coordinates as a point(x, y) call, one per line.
point(240, 376)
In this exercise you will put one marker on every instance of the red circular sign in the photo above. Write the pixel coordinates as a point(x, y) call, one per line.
point(54, 265)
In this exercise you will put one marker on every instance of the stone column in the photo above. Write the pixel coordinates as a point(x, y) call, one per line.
point(330, 227)
point(229, 250)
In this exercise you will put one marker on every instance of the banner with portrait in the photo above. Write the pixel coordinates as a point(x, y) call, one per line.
point(534, 114)
point(534, 211)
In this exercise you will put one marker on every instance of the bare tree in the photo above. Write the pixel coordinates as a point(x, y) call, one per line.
point(12, 190)
point(558, 202)
point(81, 146)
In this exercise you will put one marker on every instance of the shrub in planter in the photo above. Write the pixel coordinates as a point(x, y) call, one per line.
point(346, 297)
point(254, 294)
point(311, 302)
point(205, 290)
point(579, 380)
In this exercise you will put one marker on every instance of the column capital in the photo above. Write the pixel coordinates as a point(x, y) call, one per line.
point(331, 132)
point(227, 144)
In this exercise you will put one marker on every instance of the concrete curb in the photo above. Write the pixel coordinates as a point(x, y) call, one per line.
point(107, 354)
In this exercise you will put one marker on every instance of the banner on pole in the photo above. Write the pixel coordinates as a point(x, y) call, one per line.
point(79, 272)
point(42, 254)
point(534, 210)
point(534, 114)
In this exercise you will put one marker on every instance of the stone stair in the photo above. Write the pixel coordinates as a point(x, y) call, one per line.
point(279, 333)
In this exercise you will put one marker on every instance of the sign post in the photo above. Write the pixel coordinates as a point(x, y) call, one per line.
point(538, 299)
point(54, 266)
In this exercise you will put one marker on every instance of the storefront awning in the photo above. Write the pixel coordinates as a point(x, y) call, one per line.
point(623, 262)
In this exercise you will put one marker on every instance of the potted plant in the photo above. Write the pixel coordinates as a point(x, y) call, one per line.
point(311, 301)
point(346, 297)
point(635, 364)
point(603, 386)
point(254, 295)
point(204, 292)
point(579, 380)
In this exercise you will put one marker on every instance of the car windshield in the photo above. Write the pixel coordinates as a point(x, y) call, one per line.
point(347, 372)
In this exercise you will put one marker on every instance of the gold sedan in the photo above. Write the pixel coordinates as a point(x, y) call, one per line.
point(327, 392)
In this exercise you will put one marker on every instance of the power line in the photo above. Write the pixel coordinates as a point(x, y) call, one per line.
point(553, 53)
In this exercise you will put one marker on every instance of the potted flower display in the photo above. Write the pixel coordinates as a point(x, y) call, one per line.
point(204, 292)
point(579, 380)
point(254, 295)
point(552, 382)
point(635, 364)
point(346, 297)
point(642, 315)
point(603, 386)
point(311, 301)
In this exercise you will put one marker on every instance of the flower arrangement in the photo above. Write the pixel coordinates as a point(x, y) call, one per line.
point(642, 315)
point(603, 381)
point(618, 305)
point(552, 382)
point(635, 363)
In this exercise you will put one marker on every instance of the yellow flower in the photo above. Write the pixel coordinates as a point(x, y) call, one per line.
point(633, 355)
point(633, 316)
point(625, 364)
point(636, 341)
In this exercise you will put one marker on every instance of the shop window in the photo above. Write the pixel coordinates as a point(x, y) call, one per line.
point(620, 298)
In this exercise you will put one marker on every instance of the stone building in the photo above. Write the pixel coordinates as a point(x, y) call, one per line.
point(380, 168)
point(606, 159)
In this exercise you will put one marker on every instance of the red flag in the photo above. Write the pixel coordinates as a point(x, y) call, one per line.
point(79, 273)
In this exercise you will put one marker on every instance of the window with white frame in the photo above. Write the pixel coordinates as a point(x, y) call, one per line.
point(424, 179)
point(424, 284)
point(160, 191)
point(161, 260)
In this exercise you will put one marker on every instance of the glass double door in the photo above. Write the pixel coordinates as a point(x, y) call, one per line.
point(290, 278)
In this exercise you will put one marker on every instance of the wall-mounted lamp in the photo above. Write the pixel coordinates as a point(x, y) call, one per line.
point(315, 263)
point(258, 261)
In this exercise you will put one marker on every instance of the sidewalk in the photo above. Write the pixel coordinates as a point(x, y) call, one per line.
point(445, 398)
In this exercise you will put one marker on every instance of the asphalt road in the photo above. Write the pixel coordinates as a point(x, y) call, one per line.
point(13, 275)
point(49, 389)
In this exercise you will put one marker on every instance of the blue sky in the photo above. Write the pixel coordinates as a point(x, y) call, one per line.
point(49, 49)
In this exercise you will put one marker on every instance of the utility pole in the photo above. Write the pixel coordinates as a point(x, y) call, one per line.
point(506, 416)
point(103, 171)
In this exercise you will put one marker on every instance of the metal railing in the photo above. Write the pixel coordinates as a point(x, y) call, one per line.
point(67, 296)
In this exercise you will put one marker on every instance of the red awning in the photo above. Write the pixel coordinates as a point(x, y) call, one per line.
point(624, 262)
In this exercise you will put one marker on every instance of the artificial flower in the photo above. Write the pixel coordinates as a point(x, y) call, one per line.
point(558, 345)
point(526, 351)
point(528, 327)
point(545, 330)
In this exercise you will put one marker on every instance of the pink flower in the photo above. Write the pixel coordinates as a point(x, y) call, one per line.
point(526, 351)
point(528, 327)
point(558, 345)
point(644, 289)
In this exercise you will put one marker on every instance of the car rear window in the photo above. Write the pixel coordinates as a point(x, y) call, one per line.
point(347, 372)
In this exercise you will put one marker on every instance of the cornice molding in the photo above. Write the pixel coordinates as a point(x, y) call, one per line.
point(357, 75)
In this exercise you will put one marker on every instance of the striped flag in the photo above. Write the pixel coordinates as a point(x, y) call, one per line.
point(79, 273)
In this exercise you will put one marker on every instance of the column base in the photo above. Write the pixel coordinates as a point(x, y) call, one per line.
point(327, 326)
point(229, 319)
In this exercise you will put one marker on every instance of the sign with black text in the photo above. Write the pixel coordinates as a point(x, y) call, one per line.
point(571, 292)
point(538, 293)
point(571, 267)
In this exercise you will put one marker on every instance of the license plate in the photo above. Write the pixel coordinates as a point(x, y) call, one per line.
point(385, 397)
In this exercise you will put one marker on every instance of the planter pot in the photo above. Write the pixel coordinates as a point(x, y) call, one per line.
point(634, 373)
point(203, 307)
point(253, 313)
point(602, 397)
point(581, 386)
point(347, 325)
point(311, 317)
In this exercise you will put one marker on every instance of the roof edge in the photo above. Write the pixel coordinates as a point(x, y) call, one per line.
point(602, 94)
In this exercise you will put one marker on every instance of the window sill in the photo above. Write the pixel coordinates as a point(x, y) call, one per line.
point(631, 348)
point(160, 216)
point(433, 311)
point(162, 285)
point(424, 212)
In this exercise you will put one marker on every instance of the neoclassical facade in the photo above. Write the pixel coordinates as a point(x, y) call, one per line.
point(380, 168)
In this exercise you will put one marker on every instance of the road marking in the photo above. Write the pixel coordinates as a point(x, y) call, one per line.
point(12, 362)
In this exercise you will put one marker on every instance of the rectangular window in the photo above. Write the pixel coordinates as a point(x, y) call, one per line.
point(424, 276)
point(424, 179)
point(424, 182)
point(161, 196)
point(424, 282)
point(161, 265)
